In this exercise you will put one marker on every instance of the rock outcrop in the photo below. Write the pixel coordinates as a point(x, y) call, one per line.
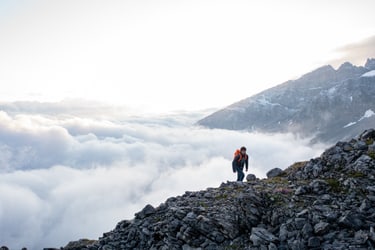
point(324, 203)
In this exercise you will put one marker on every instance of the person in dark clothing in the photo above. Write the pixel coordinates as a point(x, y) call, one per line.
point(240, 161)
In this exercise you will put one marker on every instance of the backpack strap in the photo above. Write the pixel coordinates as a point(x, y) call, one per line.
point(246, 157)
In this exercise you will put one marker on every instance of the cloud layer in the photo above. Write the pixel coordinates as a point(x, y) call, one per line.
point(65, 177)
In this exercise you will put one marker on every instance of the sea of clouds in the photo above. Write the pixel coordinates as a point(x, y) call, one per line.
point(67, 174)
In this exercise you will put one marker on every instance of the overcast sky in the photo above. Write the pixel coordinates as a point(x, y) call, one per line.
point(167, 55)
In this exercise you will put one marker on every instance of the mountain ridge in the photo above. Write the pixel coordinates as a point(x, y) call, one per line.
point(325, 203)
point(318, 104)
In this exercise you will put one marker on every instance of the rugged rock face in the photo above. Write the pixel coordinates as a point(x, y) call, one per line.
point(326, 104)
point(324, 203)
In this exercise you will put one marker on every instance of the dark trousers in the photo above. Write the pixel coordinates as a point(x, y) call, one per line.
point(240, 174)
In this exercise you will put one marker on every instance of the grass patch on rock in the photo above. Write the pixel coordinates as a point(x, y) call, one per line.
point(334, 184)
point(356, 174)
point(369, 141)
point(294, 168)
point(277, 180)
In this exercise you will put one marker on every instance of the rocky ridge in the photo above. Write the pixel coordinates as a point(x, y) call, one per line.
point(325, 203)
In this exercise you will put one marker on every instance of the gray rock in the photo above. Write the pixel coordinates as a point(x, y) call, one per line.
point(362, 164)
point(347, 147)
point(187, 247)
point(146, 211)
point(313, 242)
point(179, 213)
point(300, 222)
point(251, 177)
point(361, 145)
point(319, 186)
point(146, 231)
point(260, 236)
point(321, 228)
point(301, 190)
point(361, 237)
point(371, 198)
point(297, 245)
point(272, 246)
point(307, 230)
point(274, 172)
point(371, 189)
point(365, 205)
point(326, 198)
point(80, 244)
point(283, 234)
point(331, 216)
point(368, 134)
point(371, 234)
point(351, 220)
point(303, 213)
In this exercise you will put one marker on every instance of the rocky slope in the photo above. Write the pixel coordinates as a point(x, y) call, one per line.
point(324, 203)
point(326, 104)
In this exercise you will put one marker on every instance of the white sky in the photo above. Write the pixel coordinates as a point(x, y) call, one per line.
point(168, 55)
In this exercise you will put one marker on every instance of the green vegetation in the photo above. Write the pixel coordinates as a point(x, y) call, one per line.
point(277, 180)
point(283, 190)
point(221, 197)
point(299, 165)
point(203, 204)
point(356, 174)
point(371, 154)
point(294, 168)
point(369, 141)
point(277, 198)
point(334, 184)
point(283, 174)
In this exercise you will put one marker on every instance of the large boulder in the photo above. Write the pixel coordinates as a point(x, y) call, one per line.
point(251, 177)
point(274, 172)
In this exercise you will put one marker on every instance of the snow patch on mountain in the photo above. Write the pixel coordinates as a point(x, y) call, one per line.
point(350, 124)
point(369, 113)
point(263, 101)
point(332, 91)
point(369, 74)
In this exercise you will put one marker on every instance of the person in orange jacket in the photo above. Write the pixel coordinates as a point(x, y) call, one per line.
point(241, 160)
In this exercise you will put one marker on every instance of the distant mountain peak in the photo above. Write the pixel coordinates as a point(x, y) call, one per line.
point(370, 64)
point(319, 105)
point(324, 70)
point(346, 65)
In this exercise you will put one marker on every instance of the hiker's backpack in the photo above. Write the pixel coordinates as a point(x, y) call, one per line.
point(238, 152)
